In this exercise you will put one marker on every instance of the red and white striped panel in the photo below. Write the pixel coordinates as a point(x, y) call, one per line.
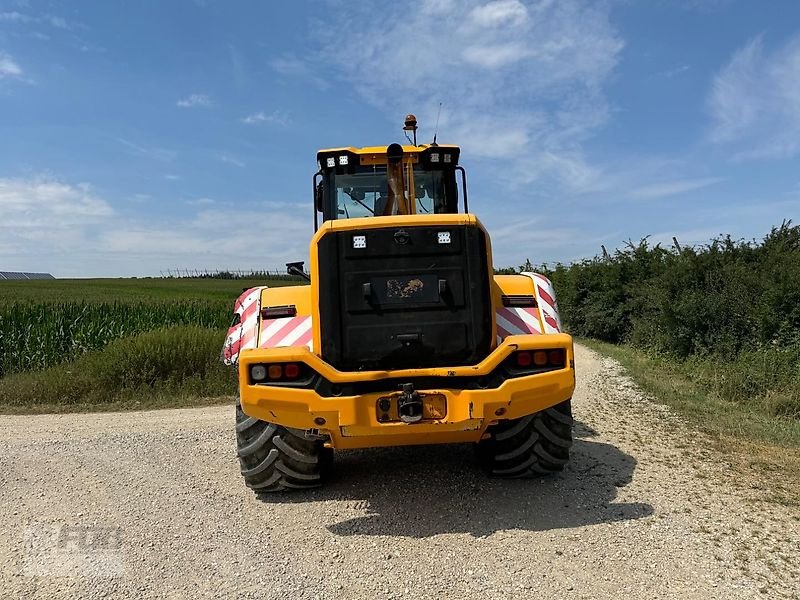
point(243, 334)
point(286, 331)
point(517, 321)
point(546, 299)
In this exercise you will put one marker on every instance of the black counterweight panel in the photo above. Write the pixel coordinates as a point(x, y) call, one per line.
point(404, 297)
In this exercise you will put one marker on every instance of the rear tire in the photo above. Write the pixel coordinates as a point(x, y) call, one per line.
point(273, 458)
point(532, 446)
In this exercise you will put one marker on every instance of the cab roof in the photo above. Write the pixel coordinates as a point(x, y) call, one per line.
point(382, 149)
point(330, 157)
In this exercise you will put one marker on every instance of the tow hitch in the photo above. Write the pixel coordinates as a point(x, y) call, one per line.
point(409, 404)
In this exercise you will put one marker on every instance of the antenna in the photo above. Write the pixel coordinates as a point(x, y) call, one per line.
point(436, 129)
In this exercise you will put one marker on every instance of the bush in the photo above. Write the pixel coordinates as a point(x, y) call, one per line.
point(171, 362)
point(729, 310)
point(767, 380)
point(720, 299)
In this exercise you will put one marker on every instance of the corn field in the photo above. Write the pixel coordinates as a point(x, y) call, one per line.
point(35, 336)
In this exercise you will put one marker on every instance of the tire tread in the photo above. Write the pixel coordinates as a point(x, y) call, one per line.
point(273, 458)
point(531, 446)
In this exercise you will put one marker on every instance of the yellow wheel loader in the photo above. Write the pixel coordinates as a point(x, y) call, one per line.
point(403, 335)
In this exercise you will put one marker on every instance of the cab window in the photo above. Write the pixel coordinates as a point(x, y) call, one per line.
point(363, 192)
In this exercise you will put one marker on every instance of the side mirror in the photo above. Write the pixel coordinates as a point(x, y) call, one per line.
point(296, 269)
point(318, 200)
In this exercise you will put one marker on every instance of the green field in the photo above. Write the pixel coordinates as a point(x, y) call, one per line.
point(83, 343)
point(128, 290)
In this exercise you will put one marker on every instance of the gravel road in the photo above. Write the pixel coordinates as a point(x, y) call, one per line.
point(151, 505)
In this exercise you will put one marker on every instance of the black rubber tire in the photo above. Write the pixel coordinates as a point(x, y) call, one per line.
point(273, 458)
point(532, 446)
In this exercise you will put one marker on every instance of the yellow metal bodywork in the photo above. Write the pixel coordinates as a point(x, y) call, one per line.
point(377, 154)
point(297, 295)
point(351, 421)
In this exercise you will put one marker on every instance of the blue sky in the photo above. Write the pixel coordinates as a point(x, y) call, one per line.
point(137, 137)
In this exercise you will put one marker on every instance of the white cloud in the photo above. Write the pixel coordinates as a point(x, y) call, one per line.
point(231, 160)
point(755, 101)
point(57, 22)
point(154, 152)
point(275, 118)
point(199, 100)
point(675, 72)
point(15, 17)
point(69, 230)
point(45, 223)
point(201, 202)
point(47, 19)
point(42, 202)
point(517, 81)
point(495, 55)
point(9, 67)
point(206, 240)
point(292, 66)
point(499, 13)
point(663, 189)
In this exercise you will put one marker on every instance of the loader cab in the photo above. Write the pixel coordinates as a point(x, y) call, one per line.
point(388, 180)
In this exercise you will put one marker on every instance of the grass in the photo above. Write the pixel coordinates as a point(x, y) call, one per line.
point(165, 367)
point(691, 388)
point(756, 431)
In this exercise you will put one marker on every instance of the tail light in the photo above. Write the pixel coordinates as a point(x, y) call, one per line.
point(291, 371)
point(524, 359)
point(276, 372)
point(540, 359)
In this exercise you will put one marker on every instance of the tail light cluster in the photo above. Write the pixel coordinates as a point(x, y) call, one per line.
point(276, 372)
point(540, 359)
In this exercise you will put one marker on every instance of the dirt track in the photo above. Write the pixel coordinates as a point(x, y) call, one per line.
point(150, 504)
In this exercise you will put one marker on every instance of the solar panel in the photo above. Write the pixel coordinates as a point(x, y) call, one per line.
point(17, 275)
